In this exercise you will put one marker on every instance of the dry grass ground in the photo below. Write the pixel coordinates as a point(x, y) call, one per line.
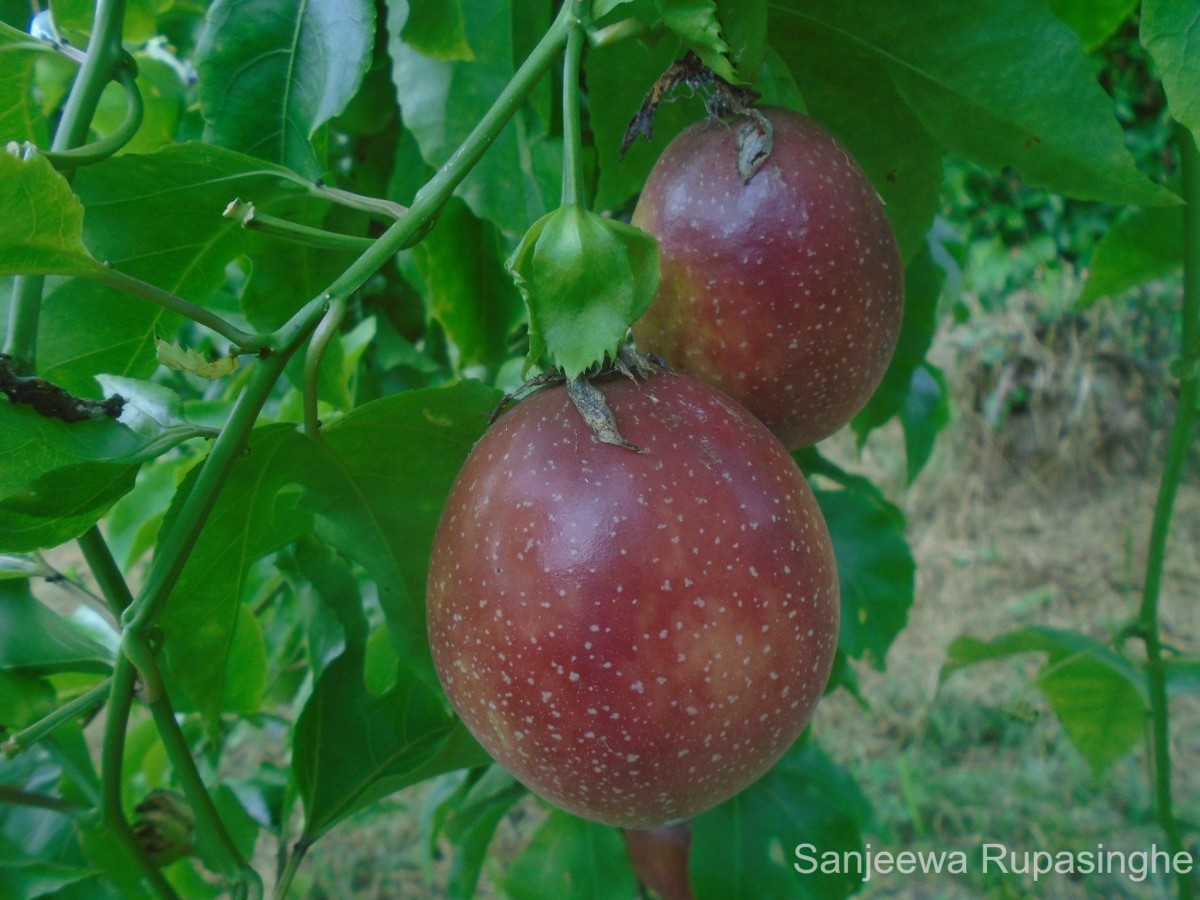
point(1042, 521)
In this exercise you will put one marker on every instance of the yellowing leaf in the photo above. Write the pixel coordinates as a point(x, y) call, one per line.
point(187, 360)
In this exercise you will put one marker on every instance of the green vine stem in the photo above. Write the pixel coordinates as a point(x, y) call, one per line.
point(208, 820)
point(105, 570)
point(116, 592)
point(112, 756)
point(104, 54)
point(20, 342)
point(177, 543)
point(27, 737)
point(295, 858)
point(1177, 453)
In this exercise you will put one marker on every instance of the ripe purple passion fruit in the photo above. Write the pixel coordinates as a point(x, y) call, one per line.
point(785, 291)
point(635, 636)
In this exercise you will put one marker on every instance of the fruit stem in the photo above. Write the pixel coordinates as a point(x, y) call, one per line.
point(572, 184)
point(1177, 454)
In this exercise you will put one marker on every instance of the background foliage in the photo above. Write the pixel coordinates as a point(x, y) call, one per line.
point(258, 534)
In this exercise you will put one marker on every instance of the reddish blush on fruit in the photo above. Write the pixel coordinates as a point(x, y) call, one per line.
point(635, 636)
point(786, 291)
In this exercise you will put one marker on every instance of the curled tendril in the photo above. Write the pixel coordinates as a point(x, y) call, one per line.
point(103, 148)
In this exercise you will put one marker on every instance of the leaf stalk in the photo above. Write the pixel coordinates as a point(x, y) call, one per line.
point(27, 737)
point(244, 341)
point(252, 220)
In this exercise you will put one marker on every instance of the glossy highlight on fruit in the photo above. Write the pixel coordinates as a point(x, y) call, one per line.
point(785, 291)
point(635, 636)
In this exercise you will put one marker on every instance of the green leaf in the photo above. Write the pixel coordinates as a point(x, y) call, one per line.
point(131, 525)
point(1183, 674)
point(26, 879)
point(1142, 245)
point(695, 23)
point(850, 93)
point(743, 23)
point(150, 408)
point(21, 117)
point(926, 412)
point(1100, 705)
point(41, 232)
point(601, 8)
point(57, 478)
point(471, 822)
point(619, 77)
point(379, 490)
point(36, 641)
point(185, 359)
point(140, 22)
point(964, 69)
point(922, 287)
point(350, 747)
point(585, 280)
point(569, 858)
point(328, 592)
point(158, 217)
point(875, 568)
point(272, 72)
point(1095, 21)
point(777, 84)
point(284, 275)
point(213, 644)
point(23, 700)
point(1169, 34)
point(442, 100)
point(806, 799)
point(1099, 696)
point(437, 28)
point(466, 287)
